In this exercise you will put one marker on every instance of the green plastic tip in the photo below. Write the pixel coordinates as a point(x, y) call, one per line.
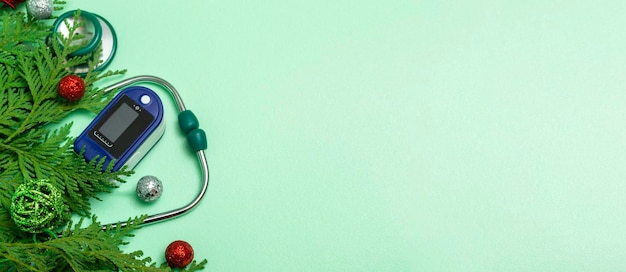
point(197, 139)
point(187, 121)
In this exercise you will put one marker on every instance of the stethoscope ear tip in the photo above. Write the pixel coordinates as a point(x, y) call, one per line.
point(196, 137)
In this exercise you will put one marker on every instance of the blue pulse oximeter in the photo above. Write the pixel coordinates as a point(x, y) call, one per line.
point(125, 130)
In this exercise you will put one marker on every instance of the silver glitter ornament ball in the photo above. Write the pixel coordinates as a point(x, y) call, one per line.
point(149, 188)
point(40, 9)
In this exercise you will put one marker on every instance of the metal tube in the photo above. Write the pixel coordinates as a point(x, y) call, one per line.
point(151, 79)
point(177, 212)
point(201, 156)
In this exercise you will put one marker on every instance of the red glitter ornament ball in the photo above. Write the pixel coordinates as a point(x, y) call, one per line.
point(178, 254)
point(12, 3)
point(72, 88)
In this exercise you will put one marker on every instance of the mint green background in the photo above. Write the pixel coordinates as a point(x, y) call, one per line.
point(386, 135)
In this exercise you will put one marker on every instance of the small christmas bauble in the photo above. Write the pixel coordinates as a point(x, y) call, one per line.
point(37, 205)
point(179, 254)
point(149, 188)
point(12, 3)
point(72, 88)
point(40, 9)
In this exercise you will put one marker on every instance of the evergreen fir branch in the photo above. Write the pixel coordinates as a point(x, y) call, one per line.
point(193, 266)
point(6, 58)
point(58, 4)
point(10, 77)
point(8, 231)
point(41, 68)
point(17, 34)
point(79, 249)
point(30, 70)
point(14, 107)
point(39, 154)
point(94, 98)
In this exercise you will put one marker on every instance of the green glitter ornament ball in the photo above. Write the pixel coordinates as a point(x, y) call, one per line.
point(37, 205)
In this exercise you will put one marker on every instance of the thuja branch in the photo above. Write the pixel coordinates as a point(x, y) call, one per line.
point(42, 69)
point(30, 70)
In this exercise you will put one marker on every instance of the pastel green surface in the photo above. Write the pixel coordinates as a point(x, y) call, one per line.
point(385, 135)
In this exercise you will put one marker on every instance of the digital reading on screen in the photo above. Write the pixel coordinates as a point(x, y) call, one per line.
point(125, 130)
point(120, 127)
point(118, 122)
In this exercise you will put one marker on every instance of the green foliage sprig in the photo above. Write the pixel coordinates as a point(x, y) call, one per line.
point(84, 248)
point(30, 69)
point(30, 103)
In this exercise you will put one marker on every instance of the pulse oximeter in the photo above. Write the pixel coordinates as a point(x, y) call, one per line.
point(125, 130)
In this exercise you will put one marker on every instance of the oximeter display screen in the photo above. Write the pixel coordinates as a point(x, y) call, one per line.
point(121, 126)
point(118, 122)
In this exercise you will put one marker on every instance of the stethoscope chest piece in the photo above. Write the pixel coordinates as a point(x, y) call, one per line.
point(94, 30)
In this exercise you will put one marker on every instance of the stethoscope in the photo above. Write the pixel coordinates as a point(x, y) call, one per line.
point(195, 136)
point(95, 30)
point(98, 31)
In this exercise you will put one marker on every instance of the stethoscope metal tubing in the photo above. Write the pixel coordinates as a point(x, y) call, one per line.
point(177, 212)
point(152, 79)
point(200, 154)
